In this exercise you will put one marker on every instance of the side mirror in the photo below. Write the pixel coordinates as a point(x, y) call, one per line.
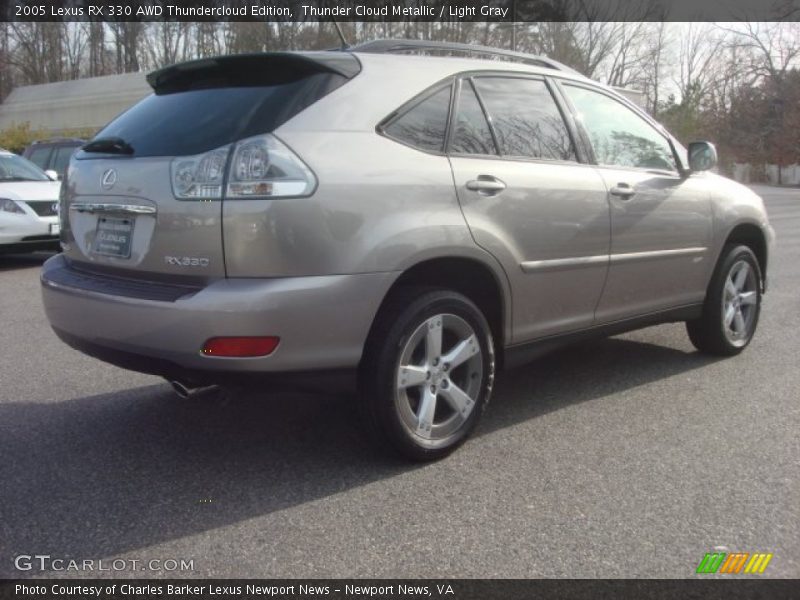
point(702, 156)
point(51, 174)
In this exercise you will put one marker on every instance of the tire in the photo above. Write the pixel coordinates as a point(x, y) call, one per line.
point(732, 305)
point(417, 401)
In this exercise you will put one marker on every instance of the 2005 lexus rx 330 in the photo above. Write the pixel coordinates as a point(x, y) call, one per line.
point(412, 220)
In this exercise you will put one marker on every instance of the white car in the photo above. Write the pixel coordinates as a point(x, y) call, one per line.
point(28, 206)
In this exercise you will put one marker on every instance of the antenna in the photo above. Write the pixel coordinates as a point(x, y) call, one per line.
point(345, 45)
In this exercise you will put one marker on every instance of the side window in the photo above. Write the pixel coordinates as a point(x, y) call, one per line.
point(619, 136)
point(61, 159)
point(424, 125)
point(471, 134)
point(39, 157)
point(525, 118)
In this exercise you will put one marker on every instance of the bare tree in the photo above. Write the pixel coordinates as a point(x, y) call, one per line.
point(627, 64)
point(658, 47)
point(167, 42)
point(127, 36)
point(75, 40)
point(774, 47)
point(37, 51)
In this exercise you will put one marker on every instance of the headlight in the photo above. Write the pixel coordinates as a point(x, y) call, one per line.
point(8, 205)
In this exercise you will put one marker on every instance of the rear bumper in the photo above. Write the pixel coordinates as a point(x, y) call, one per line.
point(322, 322)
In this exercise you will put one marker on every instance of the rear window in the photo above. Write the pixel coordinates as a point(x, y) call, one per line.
point(196, 121)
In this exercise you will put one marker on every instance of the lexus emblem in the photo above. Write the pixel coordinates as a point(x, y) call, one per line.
point(109, 179)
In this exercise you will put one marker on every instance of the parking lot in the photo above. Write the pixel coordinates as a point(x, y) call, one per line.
point(627, 457)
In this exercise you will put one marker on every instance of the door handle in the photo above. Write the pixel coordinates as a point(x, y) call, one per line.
point(486, 185)
point(622, 190)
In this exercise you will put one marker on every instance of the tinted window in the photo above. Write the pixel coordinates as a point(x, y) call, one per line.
point(471, 133)
point(525, 118)
point(16, 168)
point(196, 121)
point(61, 158)
point(39, 156)
point(424, 125)
point(619, 136)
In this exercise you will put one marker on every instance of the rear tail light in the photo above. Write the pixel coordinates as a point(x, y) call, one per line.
point(240, 347)
point(261, 167)
point(200, 176)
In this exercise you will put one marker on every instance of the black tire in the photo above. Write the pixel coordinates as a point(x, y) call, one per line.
point(388, 410)
point(711, 333)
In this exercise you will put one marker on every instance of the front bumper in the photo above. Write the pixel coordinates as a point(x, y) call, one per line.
point(27, 232)
point(771, 242)
point(322, 321)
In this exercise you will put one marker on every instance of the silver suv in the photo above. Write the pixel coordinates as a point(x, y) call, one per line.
point(410, 223)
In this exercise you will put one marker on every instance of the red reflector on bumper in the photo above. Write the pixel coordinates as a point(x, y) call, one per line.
point(240, 347)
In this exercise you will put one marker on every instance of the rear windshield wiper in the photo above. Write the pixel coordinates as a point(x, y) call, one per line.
point(111, 145)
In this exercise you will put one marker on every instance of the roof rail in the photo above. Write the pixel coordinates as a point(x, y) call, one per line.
point(57, 139)
point(390, 46)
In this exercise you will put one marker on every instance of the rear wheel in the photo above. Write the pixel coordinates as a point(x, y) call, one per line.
point(732, 305)
point(427, 373)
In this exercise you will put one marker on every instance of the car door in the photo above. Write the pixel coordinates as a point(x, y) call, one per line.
point(661, 223)
point(529, 201)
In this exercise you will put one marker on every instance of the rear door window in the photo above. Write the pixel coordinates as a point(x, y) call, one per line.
point(525, 118)
point(423, 125)
point(471, 133)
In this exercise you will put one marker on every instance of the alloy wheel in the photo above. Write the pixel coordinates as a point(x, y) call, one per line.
point(740, 303)
point(439, 377)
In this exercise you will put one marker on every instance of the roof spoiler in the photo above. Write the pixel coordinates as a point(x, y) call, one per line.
point(269, 68)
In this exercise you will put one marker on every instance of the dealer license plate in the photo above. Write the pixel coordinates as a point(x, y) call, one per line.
point(113, 237)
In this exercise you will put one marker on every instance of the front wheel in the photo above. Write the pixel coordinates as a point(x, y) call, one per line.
point(427, 373)
point(732, 305)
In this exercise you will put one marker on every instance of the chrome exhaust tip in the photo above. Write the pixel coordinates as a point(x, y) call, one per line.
point(185, 390)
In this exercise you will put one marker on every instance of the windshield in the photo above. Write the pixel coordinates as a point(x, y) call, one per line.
point(16, 168)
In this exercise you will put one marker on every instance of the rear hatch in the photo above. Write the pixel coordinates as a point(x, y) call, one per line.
point(144, 198)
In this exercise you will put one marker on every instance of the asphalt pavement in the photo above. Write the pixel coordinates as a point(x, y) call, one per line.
point(626, 457)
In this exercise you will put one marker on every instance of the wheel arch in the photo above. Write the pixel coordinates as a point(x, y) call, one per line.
point(751, 235)
point(473, 278)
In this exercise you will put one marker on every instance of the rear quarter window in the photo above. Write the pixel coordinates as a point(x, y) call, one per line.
point(424, 124)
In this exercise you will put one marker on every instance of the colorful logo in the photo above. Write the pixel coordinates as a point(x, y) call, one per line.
point(734, 563)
